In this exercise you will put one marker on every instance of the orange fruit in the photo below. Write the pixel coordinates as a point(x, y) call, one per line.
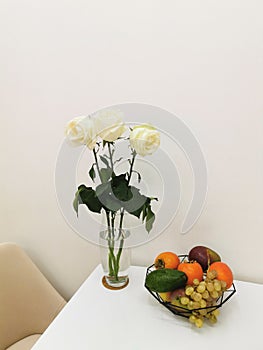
point(224, 272)
point(192, 270)
point(166, 260)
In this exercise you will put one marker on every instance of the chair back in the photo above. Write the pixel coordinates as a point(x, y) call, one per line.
point(28, 302)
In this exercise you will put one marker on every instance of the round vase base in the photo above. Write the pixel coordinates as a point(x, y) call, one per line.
point(106, 285)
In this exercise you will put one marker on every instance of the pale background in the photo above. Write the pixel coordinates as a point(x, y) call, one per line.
point(201, 60)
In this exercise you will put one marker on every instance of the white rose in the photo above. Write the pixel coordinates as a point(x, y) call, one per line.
point(144, 139)
point(109, 125)
point(81, 131)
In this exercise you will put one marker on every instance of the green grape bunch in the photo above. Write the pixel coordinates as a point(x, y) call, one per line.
point(201, 298)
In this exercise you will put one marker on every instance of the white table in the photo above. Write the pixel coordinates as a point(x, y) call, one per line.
point(96, 318)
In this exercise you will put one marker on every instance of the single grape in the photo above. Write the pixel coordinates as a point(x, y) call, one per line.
point(190, 305)
point(216, 312)
point(214, 294)
point(217, 286)
point(205, 294)
point(213, 319)
point(211, 274)
point(196, 282)
point(184, 300)
point(223, 284)
point(192, 318)
point(199, 323)
point(210, 286)
point(197, 296)
point(189, 290)
point(203, 303)
point(201, 288)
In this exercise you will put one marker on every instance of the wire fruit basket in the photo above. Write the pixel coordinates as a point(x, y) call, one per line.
point(183, 311)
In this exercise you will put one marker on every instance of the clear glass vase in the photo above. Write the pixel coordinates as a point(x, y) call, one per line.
point(115, 257)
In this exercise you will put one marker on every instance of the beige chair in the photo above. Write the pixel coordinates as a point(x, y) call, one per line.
point(28, 302)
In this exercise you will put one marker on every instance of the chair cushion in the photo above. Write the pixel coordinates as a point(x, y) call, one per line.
point(25, 344)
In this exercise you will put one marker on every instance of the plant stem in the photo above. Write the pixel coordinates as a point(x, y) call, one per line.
point(113, 266)
point(110, 153)
point(122, 213)
point(114, 261)
point(111, 251)
point(131, 167)
point(129, 179)
point(119, 252)
point(97, 163)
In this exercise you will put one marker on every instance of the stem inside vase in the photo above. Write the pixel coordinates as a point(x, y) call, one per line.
point(115, 257)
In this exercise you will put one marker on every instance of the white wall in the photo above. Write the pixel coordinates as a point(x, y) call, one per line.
point(201, 60)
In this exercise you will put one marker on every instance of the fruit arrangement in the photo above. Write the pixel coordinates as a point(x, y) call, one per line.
point(193, 285)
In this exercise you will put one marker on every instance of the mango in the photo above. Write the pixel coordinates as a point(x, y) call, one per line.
point(175, 294)
point(166, 296)
point(204, 256)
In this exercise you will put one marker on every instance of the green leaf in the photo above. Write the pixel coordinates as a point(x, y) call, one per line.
point(102, 188)
point(106, 174)
point(92, 173)
point(86, 195)
point(105, 161)
point(107, 198)
point(145, 209)
point(111, 204)
point(137, 203)
point(136, 212)
point(76, 203)
point(149, 219)
point(77, 200)
point(120, 188)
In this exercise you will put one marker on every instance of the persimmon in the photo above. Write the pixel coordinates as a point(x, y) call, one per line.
point(193, 270)
point(168, 260)
point(224, 273)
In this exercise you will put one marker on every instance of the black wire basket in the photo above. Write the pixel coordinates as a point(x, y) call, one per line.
point(182, 311)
